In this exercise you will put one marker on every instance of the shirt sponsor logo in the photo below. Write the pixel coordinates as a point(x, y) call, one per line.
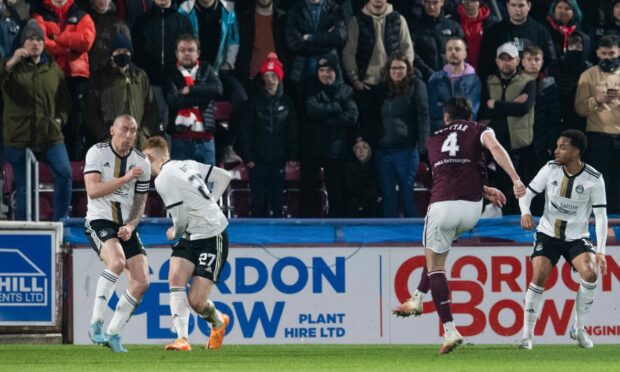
point(566, 208)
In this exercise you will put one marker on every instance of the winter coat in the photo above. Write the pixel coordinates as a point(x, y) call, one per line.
point(269, 134)
point(405, 119)
point(154, 38)
point(207, 87)
point(107, 25)
point(599, 118)
point(566, 72)
point(546, 115)
point(34, 96)
point(246, 42)
point(530, 32)
point(327, 37)
point(111, 93)
point(429, 36)
point(362, 189)
point(68, 36)
point(441, 88)
point(474, 29)
point(229, 35)
point(560, 40)
point(331, 114)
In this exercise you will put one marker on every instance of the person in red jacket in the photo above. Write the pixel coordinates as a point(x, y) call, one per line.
point(475, 17)
point(69, 34)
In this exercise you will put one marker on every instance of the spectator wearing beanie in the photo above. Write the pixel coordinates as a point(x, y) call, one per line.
point(120, 87)
point(326, 136)
point(34, 117)
point(269, 139)
point(191, 88)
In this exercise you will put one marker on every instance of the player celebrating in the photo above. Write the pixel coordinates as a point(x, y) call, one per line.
point(572, 190)
point(455, 152)
point(117, 180)
point(202, 249)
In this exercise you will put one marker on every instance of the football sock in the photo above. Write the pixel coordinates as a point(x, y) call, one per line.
point(212, 315)
point(585, 298)
point(179, 308)
point(441, 294)
point(105, 288)
point(533, 298)
point(125, 307)
point(424, 281)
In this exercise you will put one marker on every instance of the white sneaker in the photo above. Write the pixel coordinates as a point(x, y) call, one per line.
point(582, 337)
point(412, 306)
point(451, 341)
point(526, 344)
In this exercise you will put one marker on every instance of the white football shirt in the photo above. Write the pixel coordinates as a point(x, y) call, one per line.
point(568, 200)
point(115, 207)
point(183, 184)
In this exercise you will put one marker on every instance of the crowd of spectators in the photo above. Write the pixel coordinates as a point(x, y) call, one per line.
point(351, 89)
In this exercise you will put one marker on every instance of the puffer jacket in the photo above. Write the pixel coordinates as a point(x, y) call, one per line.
point(269, 134)
point(405, 119)
point(34, 96)
point(69, 34)
point(331, 116)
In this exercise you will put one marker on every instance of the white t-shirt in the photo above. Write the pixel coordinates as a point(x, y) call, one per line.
point(182, 185)
point(568, 200)
point(116, 206)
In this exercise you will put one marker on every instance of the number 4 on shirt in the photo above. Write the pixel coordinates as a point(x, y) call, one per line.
point(450, 145)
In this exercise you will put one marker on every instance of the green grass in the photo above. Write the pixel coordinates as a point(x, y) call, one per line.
point(29, 358)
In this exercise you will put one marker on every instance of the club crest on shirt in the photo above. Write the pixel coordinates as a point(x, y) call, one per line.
point(579, 189)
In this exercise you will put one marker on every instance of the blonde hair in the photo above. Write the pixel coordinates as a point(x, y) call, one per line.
point(157, 142)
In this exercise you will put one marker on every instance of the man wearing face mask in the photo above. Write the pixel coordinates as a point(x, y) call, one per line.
point(598, 100)
point(117, 88)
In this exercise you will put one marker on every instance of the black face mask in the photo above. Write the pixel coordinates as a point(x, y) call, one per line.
point(121, 60)
point(609, 64)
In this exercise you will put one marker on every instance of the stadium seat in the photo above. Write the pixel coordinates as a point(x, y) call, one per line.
point(237, 197)
point(292, 187)
point(222, 111)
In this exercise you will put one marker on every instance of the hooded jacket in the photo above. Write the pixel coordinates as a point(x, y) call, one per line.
point(34, 96)
point(474, 28)
point(69, 34)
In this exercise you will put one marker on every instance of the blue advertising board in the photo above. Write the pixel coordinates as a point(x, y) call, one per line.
point(27, 277)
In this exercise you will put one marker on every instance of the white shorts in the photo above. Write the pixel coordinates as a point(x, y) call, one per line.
point(446, 220)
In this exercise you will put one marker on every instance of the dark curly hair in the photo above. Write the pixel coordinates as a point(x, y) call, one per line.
point(458, 108)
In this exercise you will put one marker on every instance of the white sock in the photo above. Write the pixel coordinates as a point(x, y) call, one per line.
point(124, 309)
point(585, 298)
point(449, 327)
point(418, 292)
point(533, 298)
point(212, 315)
point(179, 308)
point(105, 288)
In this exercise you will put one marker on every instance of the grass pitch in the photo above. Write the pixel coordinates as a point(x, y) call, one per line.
point(29, 358)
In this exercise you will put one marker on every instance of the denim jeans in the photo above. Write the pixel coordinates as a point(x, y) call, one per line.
point(202, 151)
point(397, 167)
point(267, 189)
point(58, 160)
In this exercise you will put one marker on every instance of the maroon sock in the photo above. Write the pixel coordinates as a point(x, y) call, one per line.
point(441, 294)
point(424, 281)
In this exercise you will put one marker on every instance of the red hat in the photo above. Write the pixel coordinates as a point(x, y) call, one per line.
point(273, 64)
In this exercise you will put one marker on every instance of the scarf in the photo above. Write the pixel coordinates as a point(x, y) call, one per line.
point(566, 31)
point(189, 119)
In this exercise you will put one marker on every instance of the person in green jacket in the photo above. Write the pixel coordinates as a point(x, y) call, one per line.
point(36, 106)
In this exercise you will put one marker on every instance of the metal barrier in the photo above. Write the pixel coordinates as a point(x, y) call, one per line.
point(32, 162)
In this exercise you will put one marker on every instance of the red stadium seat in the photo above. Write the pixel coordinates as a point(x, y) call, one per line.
point(422, 188)
point(222, 111)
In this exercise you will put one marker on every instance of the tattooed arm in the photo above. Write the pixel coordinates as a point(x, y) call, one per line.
point(137, 210)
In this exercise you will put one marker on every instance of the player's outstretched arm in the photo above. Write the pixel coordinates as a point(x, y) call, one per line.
point(503, 159)
point(95, 188)
point(600, 217)
point(494, 196)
